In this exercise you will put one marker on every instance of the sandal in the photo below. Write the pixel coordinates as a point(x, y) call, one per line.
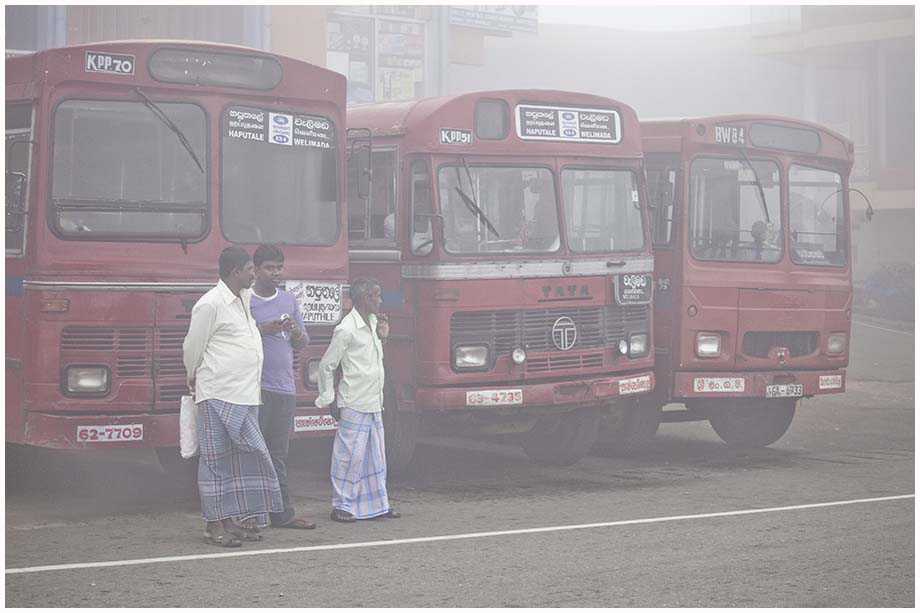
point(221, 538)
point(342, 516)
point(391, 514)
point(244, 534)
point(249, 527)
point(298, 523)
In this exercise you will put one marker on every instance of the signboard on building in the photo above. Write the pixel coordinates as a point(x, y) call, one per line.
point(496, 18)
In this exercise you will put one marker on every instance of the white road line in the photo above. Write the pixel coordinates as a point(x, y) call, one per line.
point(447, 537)
point(902, 333)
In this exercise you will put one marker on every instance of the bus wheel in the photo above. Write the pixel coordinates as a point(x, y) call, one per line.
point(756, 423)
point(562, 440)
point(630, 427)
point(183, 472)
point(400, 429)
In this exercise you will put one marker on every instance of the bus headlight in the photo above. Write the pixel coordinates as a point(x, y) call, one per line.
point(518, 356)
point(87, 379)
point(312, 374)
point(471, 356)
point(837, 343)
point(638, 345)
point(708, 344)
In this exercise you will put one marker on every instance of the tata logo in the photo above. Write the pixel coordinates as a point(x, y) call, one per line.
point(281, 120)
point(564, 333)
point(281, 139)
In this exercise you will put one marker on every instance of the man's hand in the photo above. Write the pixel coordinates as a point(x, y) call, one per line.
point(383, 327)
point(191, 385)
point(271, 327)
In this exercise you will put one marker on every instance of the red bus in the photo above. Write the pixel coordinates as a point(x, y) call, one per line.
point(508, 231)
point(130, 166)
point(750, 226)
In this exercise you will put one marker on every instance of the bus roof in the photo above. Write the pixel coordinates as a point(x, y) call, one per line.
point(772, 132)
point(532, 121)
point(75, 63)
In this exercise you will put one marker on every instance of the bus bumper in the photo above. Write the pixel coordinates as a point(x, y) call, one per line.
point(138, 430)
point(523, 396)
point(757, 384)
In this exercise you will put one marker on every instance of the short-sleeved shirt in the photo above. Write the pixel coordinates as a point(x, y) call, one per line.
point(278, 363)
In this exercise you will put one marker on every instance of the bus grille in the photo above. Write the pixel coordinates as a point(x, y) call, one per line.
point(597, 327)
point(759, 344)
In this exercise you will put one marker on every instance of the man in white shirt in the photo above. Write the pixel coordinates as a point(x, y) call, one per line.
point(223, 357)
point(359, 469)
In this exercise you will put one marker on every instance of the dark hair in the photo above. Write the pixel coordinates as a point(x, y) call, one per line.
point(232, 258)
point(267, 253)
point(360, 288)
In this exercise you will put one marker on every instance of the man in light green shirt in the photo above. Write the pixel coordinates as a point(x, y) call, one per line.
point(358, 456)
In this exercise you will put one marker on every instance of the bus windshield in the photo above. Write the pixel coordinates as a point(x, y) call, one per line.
point(490, 209)
point(602, 210)
point(279, 182)
point(735, 210)
point(119, 171)
point(816, 217)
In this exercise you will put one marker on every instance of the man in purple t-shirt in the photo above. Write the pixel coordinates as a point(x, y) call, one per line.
point(278, 316)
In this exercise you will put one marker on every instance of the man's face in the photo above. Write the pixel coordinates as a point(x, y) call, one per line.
point(373, 300)
point(245, 275)
point(268, 273)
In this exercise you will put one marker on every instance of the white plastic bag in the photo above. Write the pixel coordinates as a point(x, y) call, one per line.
point(188, 427)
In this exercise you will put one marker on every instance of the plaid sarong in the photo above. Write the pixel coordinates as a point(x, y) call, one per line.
point(236, 478)
point(359, 466)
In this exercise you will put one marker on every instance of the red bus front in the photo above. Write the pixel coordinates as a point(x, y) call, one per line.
point(751, 232)
point(508, 231)
point(133, 164)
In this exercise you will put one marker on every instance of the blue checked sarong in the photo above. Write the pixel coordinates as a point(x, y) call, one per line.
point(236, 478)
point(359, 466)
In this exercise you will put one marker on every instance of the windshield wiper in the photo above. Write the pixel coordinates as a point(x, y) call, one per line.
point(763, 198)
point(470, 202)
point(159, 114)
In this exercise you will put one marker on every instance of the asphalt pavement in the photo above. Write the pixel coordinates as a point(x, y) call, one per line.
point(824, 517)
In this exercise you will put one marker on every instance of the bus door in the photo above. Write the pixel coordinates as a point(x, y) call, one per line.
point(662, 180)
point(18, 166)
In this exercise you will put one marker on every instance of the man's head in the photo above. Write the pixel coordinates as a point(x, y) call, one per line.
point(365, 294)
point(268, 261)
point(236, 268)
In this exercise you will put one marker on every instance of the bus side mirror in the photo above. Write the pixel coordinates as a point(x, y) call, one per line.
point(359, 160)
point(15, 200)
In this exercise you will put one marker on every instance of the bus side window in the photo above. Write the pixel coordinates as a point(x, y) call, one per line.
point(374, 218)
point(661, 179)
point(18, 157)
point(420, 231)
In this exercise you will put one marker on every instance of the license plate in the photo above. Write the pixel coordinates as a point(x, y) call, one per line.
point(110, 434)
point(830, 382)
point(788, 390)
point(636, 385)
point(718, 384)
point(314, 423)
point(487, 398)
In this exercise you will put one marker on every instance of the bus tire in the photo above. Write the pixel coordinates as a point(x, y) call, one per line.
point(400, 430)
point(756, 423)
point(629, 427)
point(562, 440)
point(181, 471)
